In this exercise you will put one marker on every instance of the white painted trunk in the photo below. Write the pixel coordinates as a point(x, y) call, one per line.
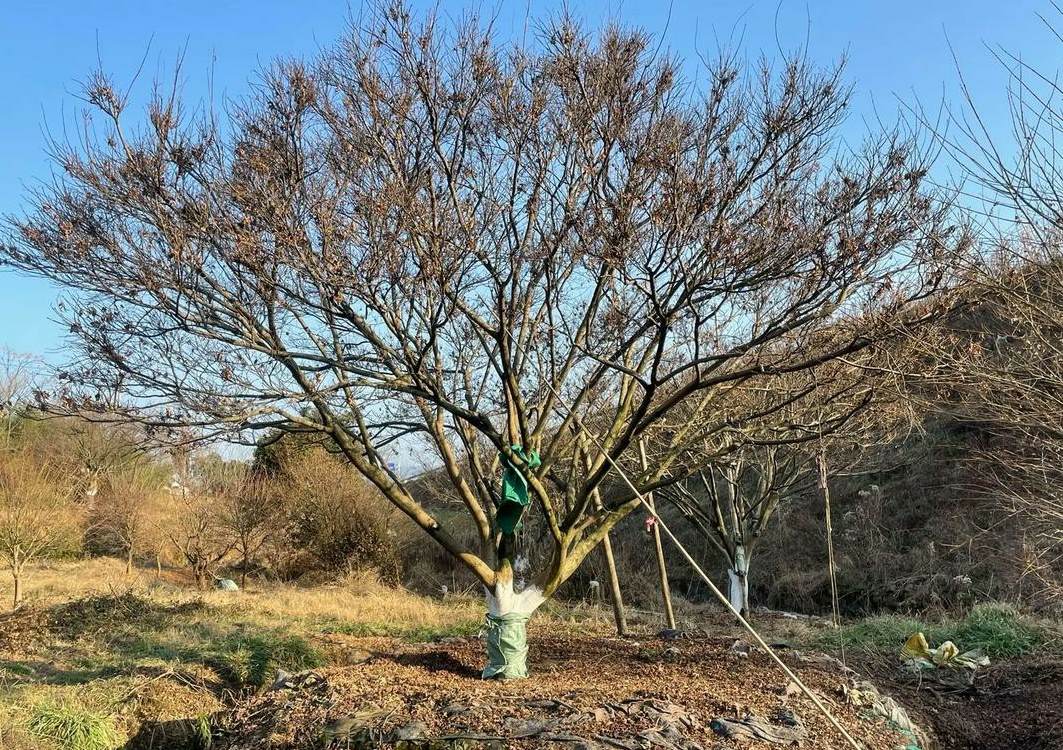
point(738, 581)
point(505, 601)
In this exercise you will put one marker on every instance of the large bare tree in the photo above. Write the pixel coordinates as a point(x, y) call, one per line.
point(429, 237)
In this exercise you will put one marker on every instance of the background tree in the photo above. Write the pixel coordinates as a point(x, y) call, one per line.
point(16, 384)
point(427, 239)
point(998, 358)
point(123, 511)
point(756, 468)
point(336, 518)
point(254, 515)
point(36, 517)
point(732, 500)
point(196, 530)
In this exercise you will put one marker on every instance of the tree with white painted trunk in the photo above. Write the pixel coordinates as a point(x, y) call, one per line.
point(848, 408)
point(429, 240)
point(732, 500)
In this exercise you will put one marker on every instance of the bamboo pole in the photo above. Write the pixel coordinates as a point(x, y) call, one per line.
point(821, 464)
point(662, 567)
point(619, 615)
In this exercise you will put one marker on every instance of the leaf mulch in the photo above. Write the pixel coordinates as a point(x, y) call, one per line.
point(585, 692)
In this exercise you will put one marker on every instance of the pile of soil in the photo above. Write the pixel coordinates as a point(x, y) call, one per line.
point(585, 692)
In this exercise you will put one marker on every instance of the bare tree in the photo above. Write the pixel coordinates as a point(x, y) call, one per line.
point(431, 240)
point(998, 358)
point(253, 515)
point(196, 530)
point(732, 500)
point(36, 517)
point(16, 384)
point(122, 511)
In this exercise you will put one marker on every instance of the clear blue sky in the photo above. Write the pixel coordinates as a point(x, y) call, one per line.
point(895, 48)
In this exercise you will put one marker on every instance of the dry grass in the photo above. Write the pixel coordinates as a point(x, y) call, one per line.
point(140, 649)
point(61, 580)
point(357, 598)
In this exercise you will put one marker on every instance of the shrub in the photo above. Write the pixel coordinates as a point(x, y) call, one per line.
point(252, 660)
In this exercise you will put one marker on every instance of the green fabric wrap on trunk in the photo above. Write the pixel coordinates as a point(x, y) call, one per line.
point(507, 646)
point(510, 507)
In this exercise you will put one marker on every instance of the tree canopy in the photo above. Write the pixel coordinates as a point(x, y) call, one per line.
point(432, 237)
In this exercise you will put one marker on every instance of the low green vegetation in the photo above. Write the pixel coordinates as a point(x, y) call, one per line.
point(998, 630)
point(254, 659)
point(72, 727)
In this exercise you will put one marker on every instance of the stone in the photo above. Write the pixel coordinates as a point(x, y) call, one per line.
point(415, 730)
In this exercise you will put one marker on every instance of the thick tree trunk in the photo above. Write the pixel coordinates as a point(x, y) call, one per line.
point(199, 572)
point(738, 581)
point(129, 562)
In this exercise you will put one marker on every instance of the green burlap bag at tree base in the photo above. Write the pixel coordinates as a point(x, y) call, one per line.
point(507, 646)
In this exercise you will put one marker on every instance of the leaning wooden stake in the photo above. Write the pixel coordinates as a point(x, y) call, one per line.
point(662, 568)
point(821, 463)
point(619, 615)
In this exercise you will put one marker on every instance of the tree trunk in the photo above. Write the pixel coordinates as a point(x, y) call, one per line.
point(17, 575)
point(508, 612)
point(129, 562)
point(158, 566)
point(199, 572)
point(738, 581)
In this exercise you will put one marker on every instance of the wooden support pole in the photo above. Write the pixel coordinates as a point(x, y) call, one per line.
point(821, 464)
point(662, 568)
point(617, 598)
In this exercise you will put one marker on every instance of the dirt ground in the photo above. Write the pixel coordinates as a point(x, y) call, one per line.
point(587, 692)
point(1017, 705)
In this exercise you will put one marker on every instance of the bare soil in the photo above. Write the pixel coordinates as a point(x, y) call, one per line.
point(589, 692)
point(1015, 705)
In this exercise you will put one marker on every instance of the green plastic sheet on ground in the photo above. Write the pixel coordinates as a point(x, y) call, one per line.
point(509, 512)
point(507, 646)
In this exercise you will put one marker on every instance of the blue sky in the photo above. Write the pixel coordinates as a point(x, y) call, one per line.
point(895, 49)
